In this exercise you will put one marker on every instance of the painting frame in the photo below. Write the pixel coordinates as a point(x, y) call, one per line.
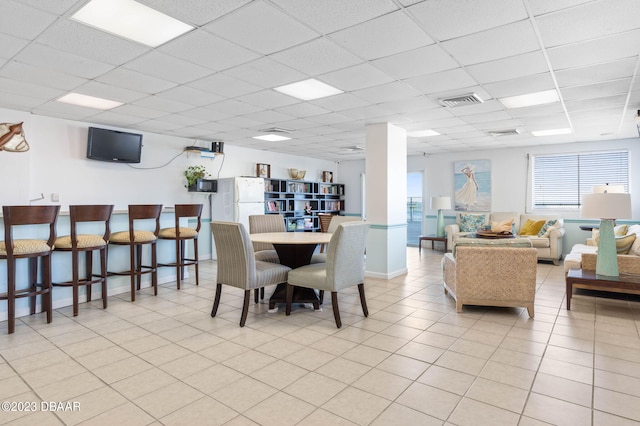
point(263, 170)
point(472, 185)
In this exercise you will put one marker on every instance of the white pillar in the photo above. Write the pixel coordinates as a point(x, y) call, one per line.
point(386, 200)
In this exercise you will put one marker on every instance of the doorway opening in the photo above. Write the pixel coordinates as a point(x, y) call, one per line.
point(414, 207)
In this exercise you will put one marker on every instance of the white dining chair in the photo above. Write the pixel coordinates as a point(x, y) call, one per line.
point(331, 228)
point(344, 267)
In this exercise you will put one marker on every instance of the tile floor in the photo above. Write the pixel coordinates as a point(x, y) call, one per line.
point(413, 361)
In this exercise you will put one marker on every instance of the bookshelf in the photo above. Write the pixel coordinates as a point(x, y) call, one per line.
point(294, 198)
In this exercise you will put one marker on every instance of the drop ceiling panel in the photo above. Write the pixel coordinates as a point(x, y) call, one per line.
point(446, 20)
point(197, 12)
point(501, 42)
point(166, 105)
point(597, 90)
point(387, 92)
point(166, 67)
point(356, 77)
point(509, 68)
point(208, 50)
point(317, 57)
point(339, 102)
point(302, 109)
point(39, 76)
point(101, 90)
point(190, 96)
point(15, 14)
point(111, 118)
point(58, 7)
point(265, 72)
point(268, 99)
point(224, 85)
point(133, 80)
point(540, 7)
point(424, 60)
point(383, 36)
point(46, 57)
point(520, 86)
point(597, 103)
point(597, 73)
point(262, 28)
point(10, 45)
point(268, 116)
point(34, 91)
point(441, 81)
point(234, 107)
point(20, 101)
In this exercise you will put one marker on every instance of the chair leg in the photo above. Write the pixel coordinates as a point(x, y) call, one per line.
point(336, 311)
point(363, 301)
point(245, 307)
point(33, 279)
point(288, 299)
point(138, 266)
point(179, 274)
point(46, 283)
point(89, 272)
point(321, 296)
point(132, 276)
point(103, 275)
point(216, 300)
point(195, 257)
point(11, 295)
point(154, 265)
point(74, 281)
point(262, 293)
point(256, 295)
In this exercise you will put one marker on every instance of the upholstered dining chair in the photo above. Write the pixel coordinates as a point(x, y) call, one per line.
point(135, 239)
point(32, 249)
point(344, 267)
point(77, 243)
point(180, 234)
point(261, 223)
point(238, 267)
point(331, 228)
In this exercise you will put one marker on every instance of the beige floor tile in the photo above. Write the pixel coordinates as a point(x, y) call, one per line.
point(441, 403)
point(165, 353)
point(145, 344)
point(421, 352)
point(104, 357)
point(186, 366)
point(382, 383)
point(508, 375)
point(357, 406)
point(122, 369)
point(606, 419)
point(461, 362)
point(37, 418)
point(127, 413)
point(572, 356)
point(52, 373)
point(223, 351)
point(343, 370)
point(556, 412)
point(616, 403)
point(213, 378)
point(523, 346)
point(168, 399)
point(366, 355)
point(12, 386)
point(143, 383)
point(199, 342)
point(333, 345)
point(446, 379)
point(39, 360)
point(516, 359)
point(315, 388)
point(617, 366)
point(385, 342)
point(403, 366)
point(399, 414)
point(471, 412)
point(270, 412)
point(617, 382)
point(279, 348)
point(322, 417)
point(476, 349)
point(92, 404)
point(354, 334)
point(563, 389)
point(243, 394)
point(70, 387)
point(204, 411)
point(249, 362)
point(435, 339)
point(567, 370)
point(497, 394)
point(280, 374)
point(88, 346)
point(309, 358)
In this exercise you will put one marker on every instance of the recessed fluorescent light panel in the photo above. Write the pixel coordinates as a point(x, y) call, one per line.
point(131, 20)
point(308, 90)
point(551, 132)
point(422, 133)
point(88, 101)
point(271, 138)
point(538, 98)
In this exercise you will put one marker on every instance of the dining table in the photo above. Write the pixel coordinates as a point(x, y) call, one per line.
point(294, 249)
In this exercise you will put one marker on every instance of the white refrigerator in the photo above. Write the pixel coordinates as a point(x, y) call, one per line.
point(236, 199)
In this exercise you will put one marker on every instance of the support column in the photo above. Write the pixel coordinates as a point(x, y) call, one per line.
point(386, 200)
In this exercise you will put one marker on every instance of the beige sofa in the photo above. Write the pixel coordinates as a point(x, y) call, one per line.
point(573, 260)
point(548, 247)
point(491, 276)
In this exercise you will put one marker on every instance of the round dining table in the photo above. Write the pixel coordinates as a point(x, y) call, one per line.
point(294, 250)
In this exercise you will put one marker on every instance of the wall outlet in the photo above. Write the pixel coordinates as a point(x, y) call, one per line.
point(55, 197)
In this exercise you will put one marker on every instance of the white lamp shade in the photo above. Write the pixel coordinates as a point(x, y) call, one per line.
point(438, 203)
point(606, 205)
point(608, 188)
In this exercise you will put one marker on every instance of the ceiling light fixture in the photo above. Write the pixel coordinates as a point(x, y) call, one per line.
point(551, 132)
point(422, 133)
point(88, 101)
point(271, 138)
point(308, 89)
point(131, 20)
point(537, 98)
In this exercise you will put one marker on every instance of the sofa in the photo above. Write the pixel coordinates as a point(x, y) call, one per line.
point(548, 245)
point(627, 243)
point(491, 276)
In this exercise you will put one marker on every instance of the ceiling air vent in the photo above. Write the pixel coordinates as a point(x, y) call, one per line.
point(463, 100)
point(506, 132)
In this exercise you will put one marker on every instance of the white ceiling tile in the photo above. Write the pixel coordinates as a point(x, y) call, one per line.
point(489, 105)
point(596, 103)
point(339, 102)
point(14, 16)
point(133, 80)
point(408, 105)
point(101, 90)
point(82, 40)
point(160, 104)
point(356, 77)
point(597, 90)
point(540, 7)
point(57, 60)
point(537, 110)
point(39, 76)
point(596, 73)
point(138, 111)
point(268, 99)
point(330, 119)
point(34, 91)
point(168, 68)
point(234, 107)
point(445, 20)
point(509, 68)
point(441, 81)
point(21, 101)
point(328, 16)
point(317, 57)
point(588, 21)
point(424, 60)
point(186, 119)
point(10, 45)
point(240, 121)
point(520, 86)
point(501, 42)
point(196, 12)
point(268, 116)
point(487, 117)
point(596, 51)
point(224, 85)
point(387, 92)
point(157, 126)
point(59, 7)
point(64, 110)
point(266, 73)
point(116, 119)
point(190, 96)
point(261, 28)
point(302, 109)
point(207, 115)
point(383, 36)
point(366, 113)
point(208, 50)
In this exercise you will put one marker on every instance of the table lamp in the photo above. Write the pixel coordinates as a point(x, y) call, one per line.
point(440, 203)
point(607, 206)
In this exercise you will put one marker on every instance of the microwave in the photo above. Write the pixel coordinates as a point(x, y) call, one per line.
point(205, 185)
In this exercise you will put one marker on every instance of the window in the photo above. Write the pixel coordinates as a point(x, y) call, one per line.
point(560, 180)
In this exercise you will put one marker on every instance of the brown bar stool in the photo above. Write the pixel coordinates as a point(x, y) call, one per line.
point(32, 249)
point(135, 239)
point(87, 243)
point(180, 234)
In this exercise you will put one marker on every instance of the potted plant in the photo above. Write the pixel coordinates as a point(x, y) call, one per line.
point(193, 174)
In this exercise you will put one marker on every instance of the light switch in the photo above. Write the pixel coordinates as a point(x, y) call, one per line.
point(55, 197)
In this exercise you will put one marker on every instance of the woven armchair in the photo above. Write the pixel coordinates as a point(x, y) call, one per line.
point(491, 276)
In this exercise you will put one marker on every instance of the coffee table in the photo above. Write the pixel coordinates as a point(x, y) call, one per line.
point(589, 280)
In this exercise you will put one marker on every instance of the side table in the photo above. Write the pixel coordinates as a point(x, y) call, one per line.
point(433, 239)
point(589, 280)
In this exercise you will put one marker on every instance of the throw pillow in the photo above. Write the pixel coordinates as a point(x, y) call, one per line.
point(532, 227)
point(471, 222)
point(618, 230)
point(548, 226)
point(503, 226)
point(623, 243)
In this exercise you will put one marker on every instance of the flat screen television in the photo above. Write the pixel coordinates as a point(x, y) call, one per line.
point(113, 145)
